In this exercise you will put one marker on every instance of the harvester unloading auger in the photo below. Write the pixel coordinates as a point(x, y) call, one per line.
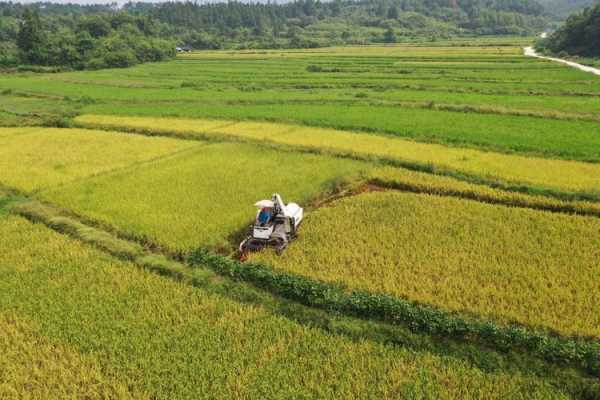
point(275, 226)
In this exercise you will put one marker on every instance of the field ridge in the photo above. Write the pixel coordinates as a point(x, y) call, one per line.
point(509, 172)
point(418, 318)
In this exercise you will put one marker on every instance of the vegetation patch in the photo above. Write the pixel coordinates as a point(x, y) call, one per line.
point(213, 346)
point(509, 171)
point(501, 263)
point(35, 158)
point(421, 182)
point(418, 318)
point(575, 140)
point(203, 197)
point(60, 371)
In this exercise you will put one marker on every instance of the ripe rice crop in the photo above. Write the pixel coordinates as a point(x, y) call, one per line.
point(505, 264)
point(36, 158)
point(34, 367)
point(203, 197)
point(567, 139)
point(161, 339)
point(559, 175)
point(421, 182)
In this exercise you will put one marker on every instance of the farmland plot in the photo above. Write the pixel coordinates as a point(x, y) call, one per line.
point(35, 158)
point(507, 264)
point(479, 114)
point(203, 197)
point(559, 175)
point(577, 140)
point(154, 338)
point(421, 182)
point(60, 371)
point(334, 86)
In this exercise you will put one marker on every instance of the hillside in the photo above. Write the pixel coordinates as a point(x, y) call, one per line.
point(561, 9)
point(310, 23)
point(579, 36)
point(97, 36)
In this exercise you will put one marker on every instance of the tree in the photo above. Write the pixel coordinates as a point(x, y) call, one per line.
point(580, 35)
point(96, 26)
point(30, 39)
point(390, 36)
point(392, 12)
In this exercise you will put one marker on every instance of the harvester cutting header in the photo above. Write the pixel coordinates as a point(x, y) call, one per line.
point(275, 226)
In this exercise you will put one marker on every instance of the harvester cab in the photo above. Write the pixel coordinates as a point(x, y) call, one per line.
point(276, 224)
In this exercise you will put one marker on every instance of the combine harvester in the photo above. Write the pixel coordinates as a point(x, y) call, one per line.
point(275, 226)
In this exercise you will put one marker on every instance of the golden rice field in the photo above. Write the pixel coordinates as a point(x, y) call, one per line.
point(37, 158)
point(401, 50)
point(35, 367)
point(78, 323)
point(560, 175)
point(168, 158)
point(507, 264)
point(202, 197)
point(421, 182)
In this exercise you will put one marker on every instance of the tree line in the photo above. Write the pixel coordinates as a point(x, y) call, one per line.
point(92, 39)
point(100, 36)
point(580, 35)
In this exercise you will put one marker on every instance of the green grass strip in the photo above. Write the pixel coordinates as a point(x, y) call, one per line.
point(418, 318)
point(331, 298)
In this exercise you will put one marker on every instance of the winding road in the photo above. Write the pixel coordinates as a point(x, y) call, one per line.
point(530, 51)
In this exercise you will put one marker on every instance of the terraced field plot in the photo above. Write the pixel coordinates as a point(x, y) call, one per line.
point(505, 264)
point(538, 173)
point(121, 330)
point(36, 158)
point(203, 197)
point(473, 119)
point(576, 140)
point(279, 85)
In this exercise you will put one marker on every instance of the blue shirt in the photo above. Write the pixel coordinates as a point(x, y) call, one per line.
point(264, 216)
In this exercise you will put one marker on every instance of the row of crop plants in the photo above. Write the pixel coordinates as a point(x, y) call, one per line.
point(122, 332)
point(562, 178)
point(186, 190)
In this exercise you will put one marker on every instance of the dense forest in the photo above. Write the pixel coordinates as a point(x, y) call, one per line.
point(580, 35)
point(561, 9)
point(310, 23)
point(80, 37)
point(99, 36)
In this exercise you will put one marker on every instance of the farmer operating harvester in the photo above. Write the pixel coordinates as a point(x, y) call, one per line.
point(275, 226)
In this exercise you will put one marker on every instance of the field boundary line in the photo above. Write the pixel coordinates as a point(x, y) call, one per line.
point(418, 318)
point(426, 167)
point(406, 104)
point(533, 203)
point(360, 329)
point(385, 133)
point(125, 168)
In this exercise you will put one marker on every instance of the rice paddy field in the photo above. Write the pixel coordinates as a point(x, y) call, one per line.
point(504, 263)
point(193, 200)
point(34, 158)
point(458, 179)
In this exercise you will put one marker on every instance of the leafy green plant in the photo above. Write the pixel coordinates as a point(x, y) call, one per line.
point(398, 311)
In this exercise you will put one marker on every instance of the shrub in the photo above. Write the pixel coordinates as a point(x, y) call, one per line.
point(314, 68)
point(416, 317)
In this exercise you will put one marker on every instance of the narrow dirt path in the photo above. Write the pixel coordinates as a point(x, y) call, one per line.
point(530, 52)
